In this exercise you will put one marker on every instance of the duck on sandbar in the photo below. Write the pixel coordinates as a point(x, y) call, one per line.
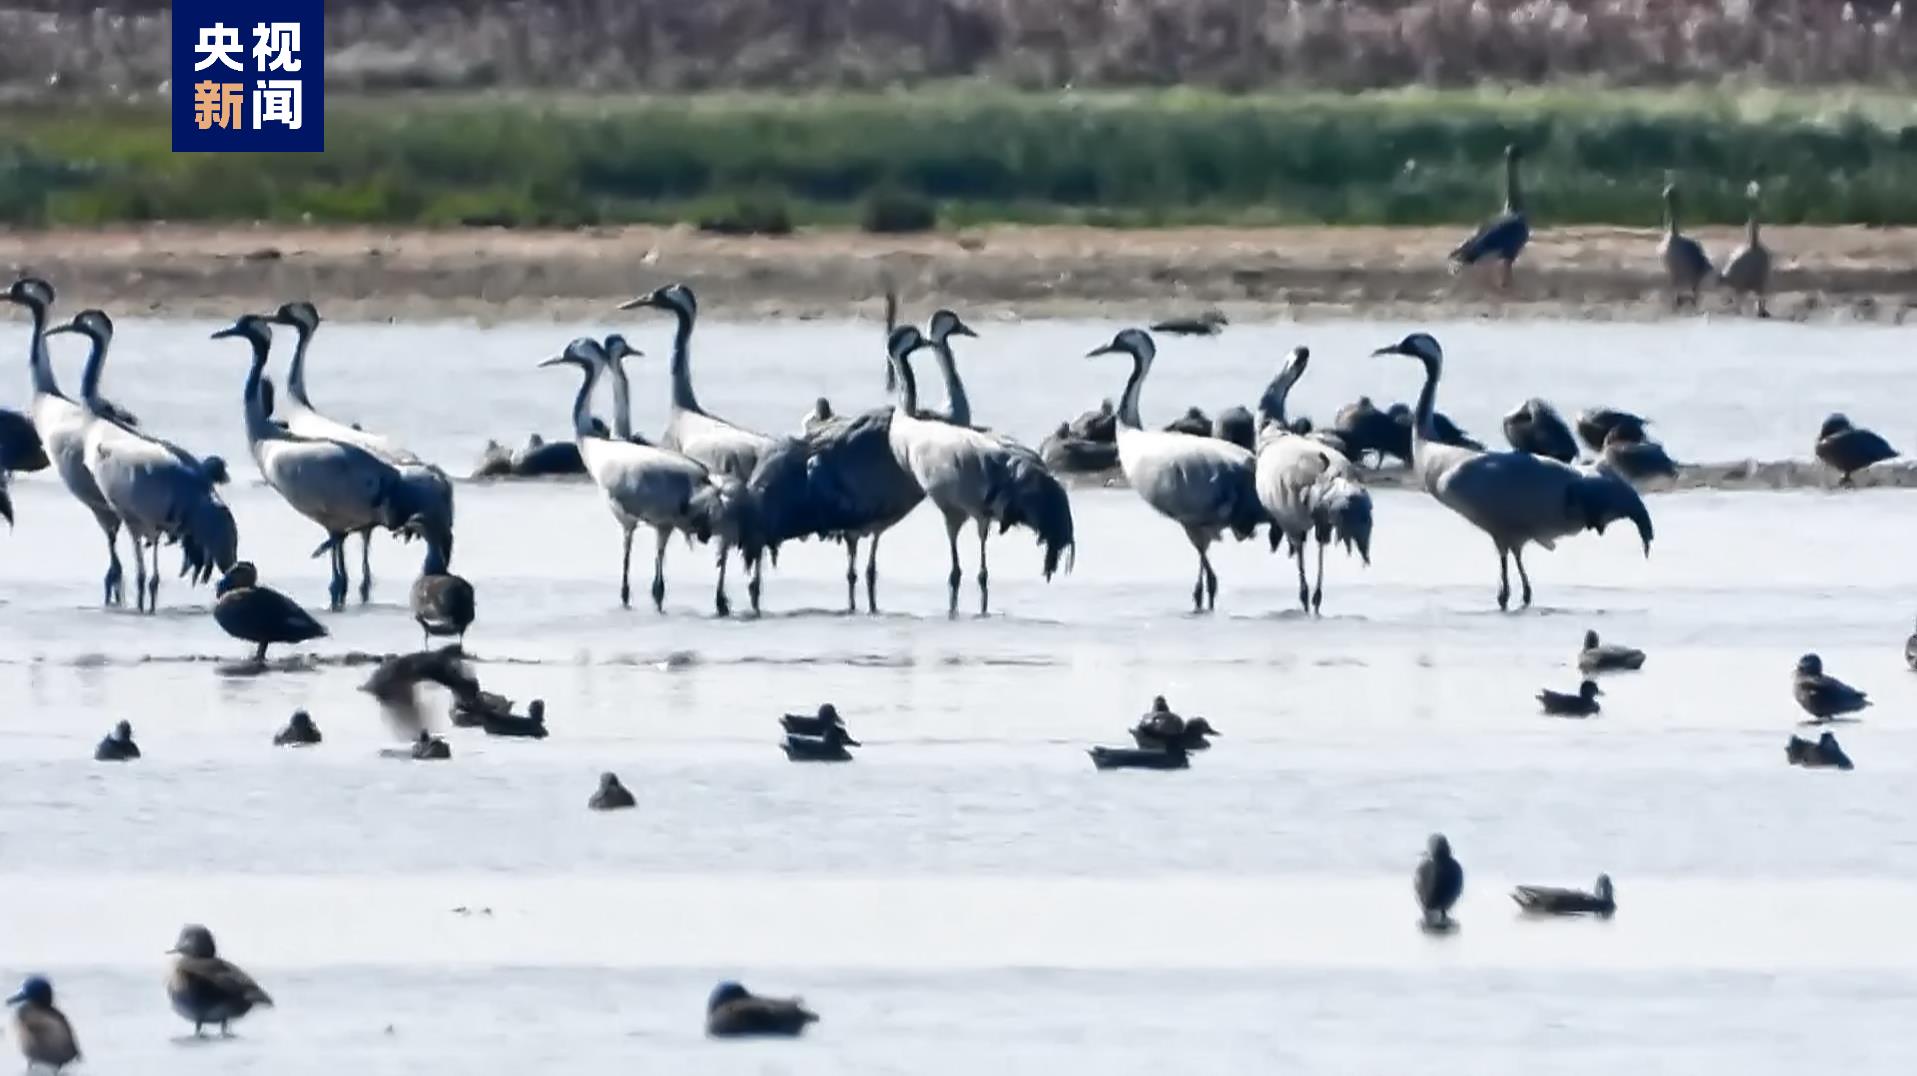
point(299, 732)
point(1825, 698)
point(45, 1037)
point(1823, 753)
point(1549, 900)
point(817, 724)
point(1847, 449)
point(732, 1011)
point(260, 615)
point(1607, 657)
point(610, 795)
point(1438, 882)
point(1582, 704)
point(206, 989)
point(118, 746)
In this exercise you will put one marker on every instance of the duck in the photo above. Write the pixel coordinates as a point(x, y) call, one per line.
point(1629, 454)
point(1910, 651)
point(1100, 424)
point(469, 711)
point(1235, 425)
point(1847, 449)
point(1161, 728)
point(1825, 698)
point(1206, 323)
point(1438, 882)
point(1194, 422)
point(1364, 428)
point(1822, 753)
point(1582, 704)
point(1606, 657)
point(1169, 757)
point(732, 1011)
point(817, 724)
point(1535, 426)
point(610, 795)
point(505, 723)
point(442, 603)
point(1595, 424)
point(299, 732)
point(118, 745)
point(1549, 900)
point(395, 683)
point(45, 1037)
point(829, 747)
point(206, 989)
point(427, 747)
point(1067, 453)
point(260, 615)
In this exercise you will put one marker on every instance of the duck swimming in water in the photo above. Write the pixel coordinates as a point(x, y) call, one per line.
point(425, 747)
point(530, 727)
point(1548, 900)
point(732, 1011)
point(1161, 728)
point(299, 732)
point(817, 724)
point(1595, 656)
point(829, 747)
point(1438, 882)
point(206, 989)
point(1823, 753)
point(610, 795)
point(118, 746)
point(1170, 757)
point(1582, 704)
point(45, 1037)
point(260, 615)
point(1825, 698)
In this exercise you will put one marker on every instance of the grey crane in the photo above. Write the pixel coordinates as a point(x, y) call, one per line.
point(1205, 485)
point(1535, 426)
point(971, 475)
point(423, 488)
point(645, 483)
point(1748, 269)
point(1502, 238)
point(62, 425)
point(1686, 266)
point(725, 448)
point(156, 488)
point(343, 488)
point(1515, 498)
point(1307, 487)
point(1847, 449)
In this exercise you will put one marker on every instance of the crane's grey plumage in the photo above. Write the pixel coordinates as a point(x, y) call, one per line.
point(1847, 449)
point(645, 483)
point(1535, 426)
point(1502, 238)
point(1823, 697)
point(1686, 266)
point(1438, 882)
point(1595, 424)
point(1513, 497)
point(156, 488)
point(1204, 485)
point(972, 475)
point(724, 448)
point(62, 424)
point(342, 487)
point(1307, 487)
point(1748, 269)
point(422, 489)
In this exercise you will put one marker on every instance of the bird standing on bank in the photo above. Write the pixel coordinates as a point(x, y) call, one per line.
point(1438, 883)
point(206, 989)
point(1550, 900)
point(1502, 238)
point(1825, 698)
point(1748, 270)
point(260, 615)
point(1847, 449)
point(45, 1037)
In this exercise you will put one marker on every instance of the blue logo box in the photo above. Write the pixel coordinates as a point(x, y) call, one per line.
point(249, 76)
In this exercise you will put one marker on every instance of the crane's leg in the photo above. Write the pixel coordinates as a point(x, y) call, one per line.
point(1198, 588)
point(722, 606)
point(114, 593)
point(852, 574)
point(153, 582)
point(756, 583)
point(336, 588)
point(139, 576)
point(1524, 578)
point(952, 524)
point(366, 566)
point(984, 576)
point(1504, 578)
point(625, 572)
point(1318, 589)
point(1504, 274)
point(658, 567)
point(1304, 591)
point(1762, 310)
point(1211, 581)
point(872, 576)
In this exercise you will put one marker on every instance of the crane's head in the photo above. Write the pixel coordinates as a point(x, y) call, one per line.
point(903, 342)
point(674, 297)
point(1752, 190)
point(300, 314)
point(584, 352)
point(250, 327)
point(1437, 847)
point(1134, 342)
point(92, 324)
point(617, 348)
point(946, 324)
point(1421, 346)
point(35, 990)
point(31, 292)
point(1810, 665)
point(1513, 153)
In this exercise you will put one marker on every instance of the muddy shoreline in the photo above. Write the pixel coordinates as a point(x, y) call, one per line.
point(1824, 274)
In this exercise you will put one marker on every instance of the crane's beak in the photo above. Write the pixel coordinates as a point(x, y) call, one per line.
point(648, 299)
point(230, 330)
point(1102, 349)
point(1390, 349)
point(556, 360)
point(58, 329)
point(962, 329)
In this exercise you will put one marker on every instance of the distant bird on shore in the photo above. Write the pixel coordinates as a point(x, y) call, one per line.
point(610, 795)
point(1595, 424)
point(118, 745)
point(1596, 656)
point(1550, 900)
point(1208, 323)
point(1582, 704)
point(1535, 426)
point(1502, 238)
point(1438, 883)
point(299, 732)
point(1686, 267)
point(1847, 449)
point(206, 989)
point(1823, 753)
point(732, 1011)
point(1825, 698)
point(1748, 270)
point(1636, 459)
point(41, 1029)
point(260, 615)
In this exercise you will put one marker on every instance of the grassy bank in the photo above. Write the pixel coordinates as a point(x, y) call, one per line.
point(1131, 159)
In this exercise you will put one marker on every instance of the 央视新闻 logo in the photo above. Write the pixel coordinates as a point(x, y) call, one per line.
point(249, 76)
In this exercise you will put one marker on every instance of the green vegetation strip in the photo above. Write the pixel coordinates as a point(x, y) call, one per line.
point(959, 156)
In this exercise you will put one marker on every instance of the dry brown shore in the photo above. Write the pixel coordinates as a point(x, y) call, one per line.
point(1824, 273)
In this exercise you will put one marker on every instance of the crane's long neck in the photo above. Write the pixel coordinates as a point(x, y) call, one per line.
point(958, 407)
point(682, 397)
point(1128, 400)
point(1272, 407)
point(91, 373)
point(582, 404)
point(621, 401)
point(39, 360)
point(1750, 225)
point(908, 386)
point(296, 373)
point(259, 427)
point(1513, 194)
point(1670, 214)
point(437, 561)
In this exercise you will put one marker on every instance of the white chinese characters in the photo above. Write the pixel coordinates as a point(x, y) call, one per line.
point(277, 46)
point(277, 101)
point(218, 44)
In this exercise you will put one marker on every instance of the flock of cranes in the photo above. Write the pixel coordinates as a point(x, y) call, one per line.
point(847, 479)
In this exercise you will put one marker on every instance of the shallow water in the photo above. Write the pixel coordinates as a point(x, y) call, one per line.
point(971, 891)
